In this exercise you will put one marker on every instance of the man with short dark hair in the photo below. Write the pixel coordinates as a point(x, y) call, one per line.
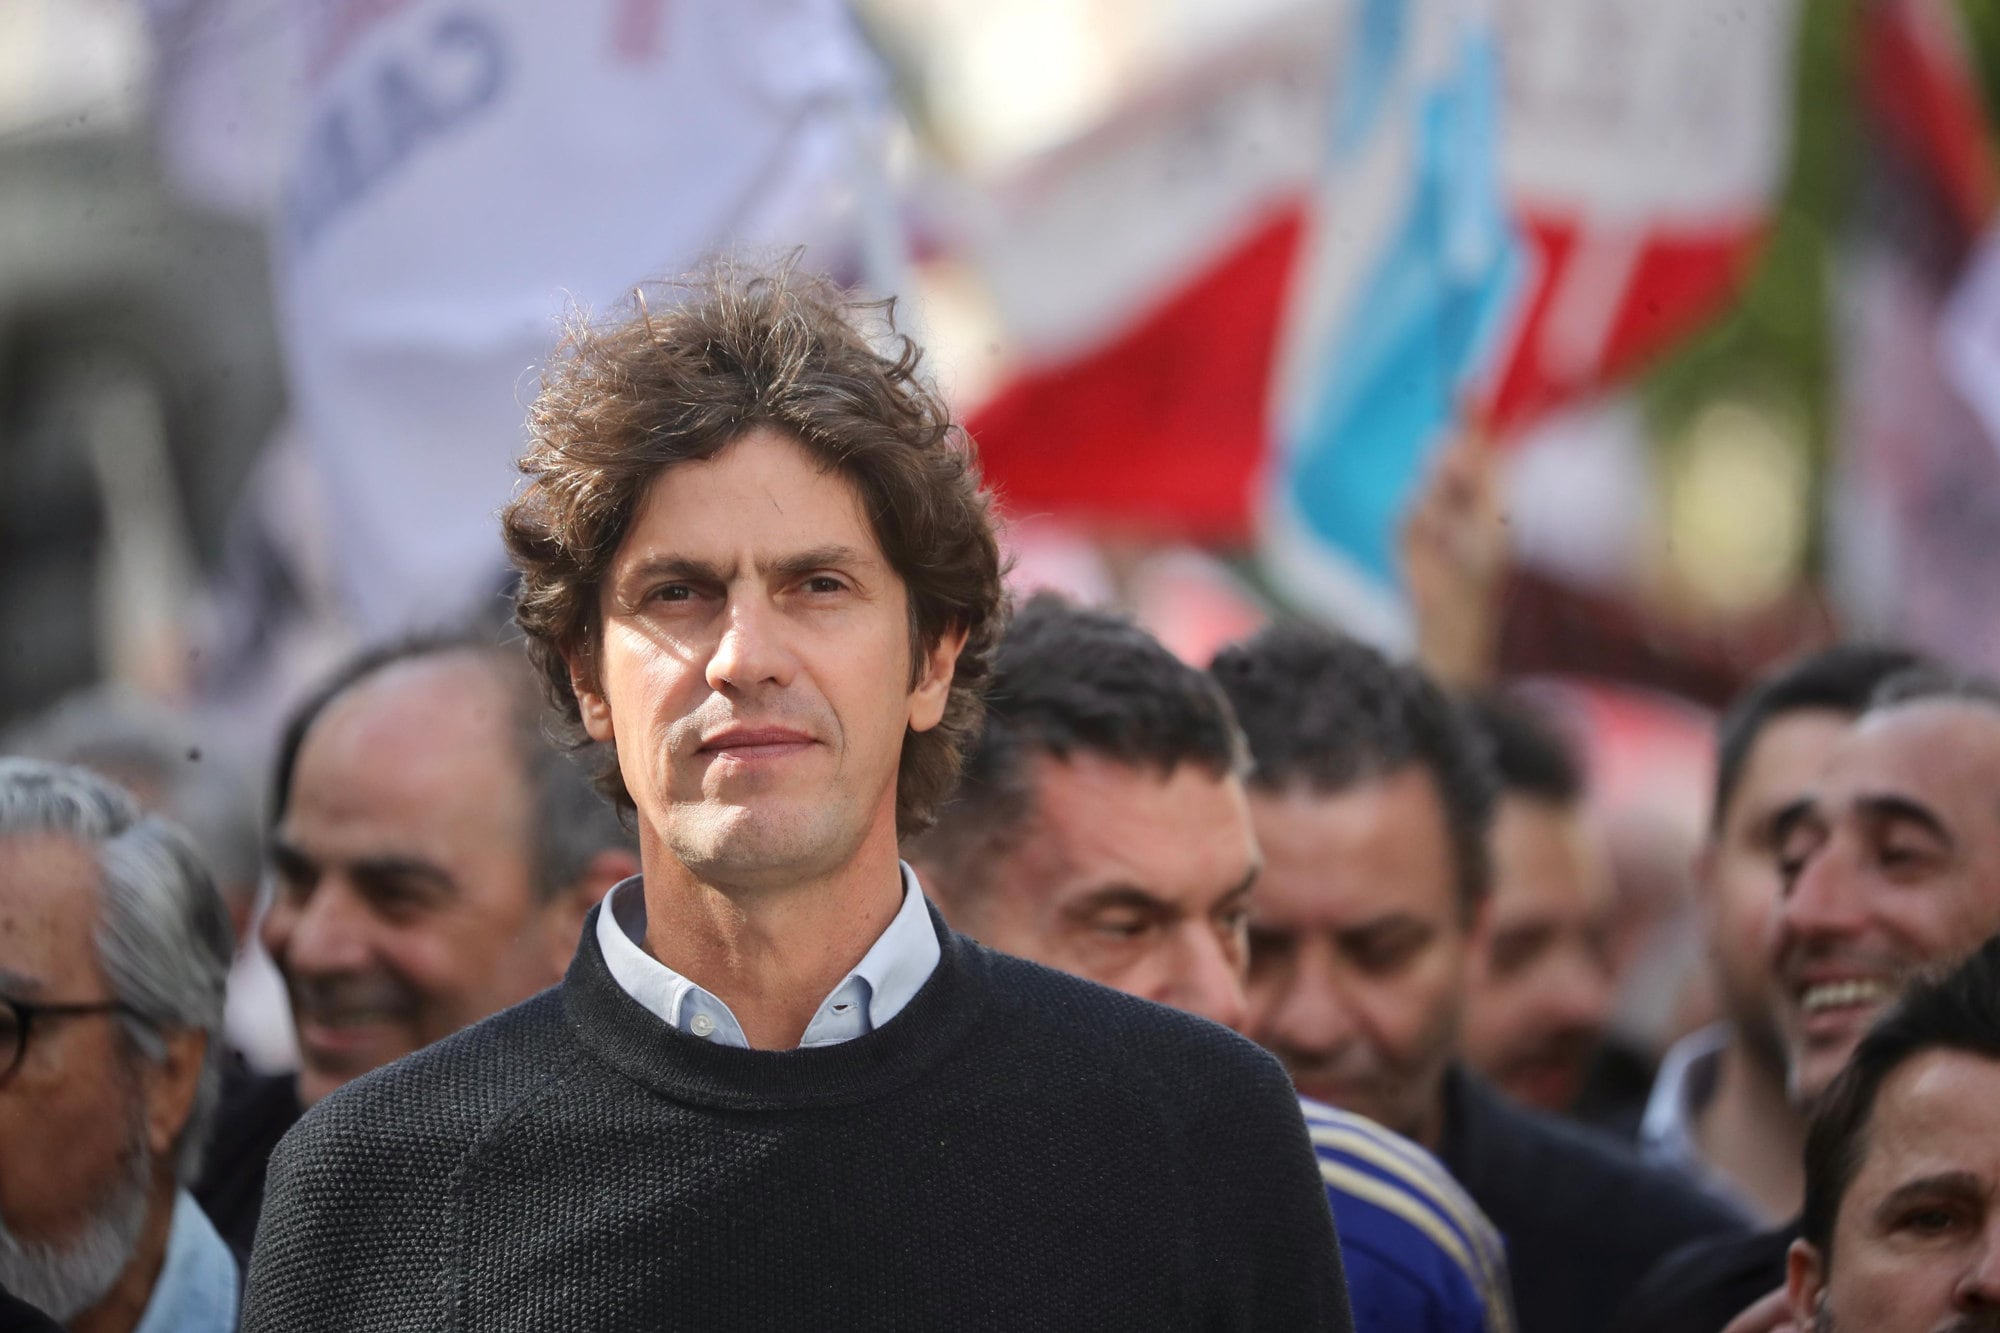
point(1901, 1229)
point(433, 856)
point(773, 1089)
point(1890, 866)
point(114, 947)
point(1101, 827)
point(1719, 1108)
point(1541, 986)
point(1371, 799)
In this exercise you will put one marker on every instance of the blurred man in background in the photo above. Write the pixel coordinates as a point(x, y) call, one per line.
point(1101, 827)
point(1372, 801)
point(1541, 985)
point(114, 947)
point(1890, 866)
point(1719, 1108)
point(434, 855)
point(1901, 1230)
point(159, 756)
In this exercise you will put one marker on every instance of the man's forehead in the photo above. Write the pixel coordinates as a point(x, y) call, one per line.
point(48, 907)
point(414, 720)
point(761, 462)
point(1103, 817)
point(1789, 756)
point(1926, 749)
point(1932, 1115)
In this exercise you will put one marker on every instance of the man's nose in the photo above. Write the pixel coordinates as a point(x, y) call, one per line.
point(751, 650)
point(1313, 1014)
point(1579, 991)
point(325, 934)
point(1978, 1290)
point(1207, 975)
point(1823, 899)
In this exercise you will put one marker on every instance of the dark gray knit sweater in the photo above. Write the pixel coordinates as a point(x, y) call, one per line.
point(1017, 1149)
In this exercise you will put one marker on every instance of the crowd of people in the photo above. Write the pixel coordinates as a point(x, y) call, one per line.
point(845, 947)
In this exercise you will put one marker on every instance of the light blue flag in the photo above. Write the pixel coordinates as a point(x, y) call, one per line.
point(1413, 271)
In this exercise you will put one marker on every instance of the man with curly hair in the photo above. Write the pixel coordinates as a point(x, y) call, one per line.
point(775, 1090)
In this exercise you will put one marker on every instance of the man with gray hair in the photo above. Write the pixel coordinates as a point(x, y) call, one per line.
point(114, 949)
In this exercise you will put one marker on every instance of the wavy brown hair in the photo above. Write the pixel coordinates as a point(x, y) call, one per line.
point(678, 380)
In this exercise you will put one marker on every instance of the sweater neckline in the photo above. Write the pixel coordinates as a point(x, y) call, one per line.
point(624, 1034)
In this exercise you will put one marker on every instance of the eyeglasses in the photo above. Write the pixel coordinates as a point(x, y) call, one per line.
point(16, 1016)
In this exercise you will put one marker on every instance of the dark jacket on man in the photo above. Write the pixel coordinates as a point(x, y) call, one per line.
point(17, 1316)
point(255, 1112)
point(1016, 1149)
point(1583, 1218)
point(1699, 1288)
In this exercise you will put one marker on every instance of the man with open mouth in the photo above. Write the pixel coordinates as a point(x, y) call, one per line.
point(1891, 870)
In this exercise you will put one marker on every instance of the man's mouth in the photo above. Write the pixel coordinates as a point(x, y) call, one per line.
point(1825, 996)
point(754, 743)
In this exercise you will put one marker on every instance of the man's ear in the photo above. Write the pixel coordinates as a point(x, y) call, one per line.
point(591, 704)
point(564, 913)
point(933, 688)
point(169, 1086)
point(1805, 1283)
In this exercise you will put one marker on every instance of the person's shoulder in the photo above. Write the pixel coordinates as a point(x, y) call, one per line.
point(1400, 1212)
point(1705, 1283)
point(441, 1096)
point(1073, 1011)
point(1205, 1075)
point(1602, 1178)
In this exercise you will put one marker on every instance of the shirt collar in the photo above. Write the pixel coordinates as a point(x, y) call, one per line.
point(888, 976)
point(1683, 1085)
point(197, 1288)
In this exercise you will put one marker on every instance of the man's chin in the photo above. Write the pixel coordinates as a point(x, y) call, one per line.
point(68, 1278)
point(1550, 1085)
point(768, 844)
point(1358, 1099)
point(320, 1074)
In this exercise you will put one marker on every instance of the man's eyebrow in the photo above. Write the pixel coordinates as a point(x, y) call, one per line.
point(820, 557)
point(1391, 921)
point(1116, 895)
point(706, 571)
point(403, 867)
point(1955, 1184)
point(1790, 815)
point(673, 567)
point(284, 853)
point(20, 985)
point(1890, 806)
point(1242, 890)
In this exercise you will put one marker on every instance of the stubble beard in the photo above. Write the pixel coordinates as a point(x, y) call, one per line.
point(64, 1279)
point(762, 849)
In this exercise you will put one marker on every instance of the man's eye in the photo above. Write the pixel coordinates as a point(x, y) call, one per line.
point(1894, 855)
point(1930, 1221)
point(1121, 925)
point(1387, 951)
point(1513, 952)
point(294, 883)
point(673, 592)
point(825, 583)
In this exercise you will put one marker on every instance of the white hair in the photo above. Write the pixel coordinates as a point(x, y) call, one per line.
point(163, 934)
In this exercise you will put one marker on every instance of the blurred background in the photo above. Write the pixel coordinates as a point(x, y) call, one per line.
point(1616, 348)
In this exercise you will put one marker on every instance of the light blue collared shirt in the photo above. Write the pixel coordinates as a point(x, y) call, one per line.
point(196, 1292)
point(893, 970)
